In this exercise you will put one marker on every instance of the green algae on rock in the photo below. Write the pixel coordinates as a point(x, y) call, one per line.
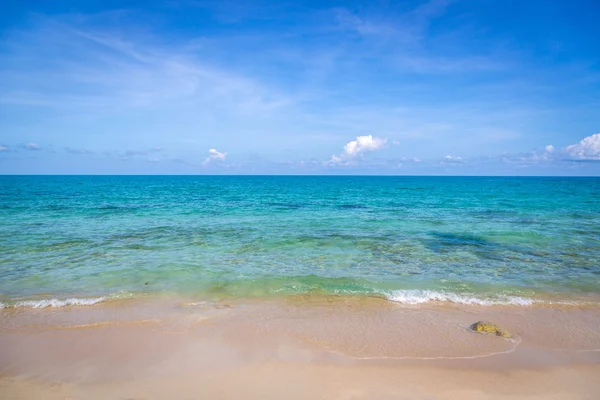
point(489, 328)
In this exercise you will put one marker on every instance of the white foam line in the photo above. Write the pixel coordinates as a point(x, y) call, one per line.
point(420, 296)
point(416, 296)
point(57, 303)
point(516, 342)
point(578, 350)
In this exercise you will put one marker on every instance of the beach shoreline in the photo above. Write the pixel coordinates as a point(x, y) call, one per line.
point(297, 347)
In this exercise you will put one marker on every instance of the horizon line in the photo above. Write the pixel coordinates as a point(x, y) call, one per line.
point(311, 175)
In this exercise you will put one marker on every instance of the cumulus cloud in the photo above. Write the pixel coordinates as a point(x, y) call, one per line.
point(362, 144)
point(3, 148)
point(214, 155)
point(587, 149)
point(357, 147)
point(549, 148)
point(32, 146)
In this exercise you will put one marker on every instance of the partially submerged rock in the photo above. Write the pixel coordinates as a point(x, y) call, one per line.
point(489, 328)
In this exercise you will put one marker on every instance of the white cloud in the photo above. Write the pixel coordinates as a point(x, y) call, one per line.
point(587, 149)
point(356, 147)
point(32, 146)
point(336, 159)
point(214, 155)
point(3, 148)
point(452, 159)
point(362, 144)
point(532, 157)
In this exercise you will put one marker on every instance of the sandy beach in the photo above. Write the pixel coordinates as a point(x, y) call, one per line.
point(325, 347)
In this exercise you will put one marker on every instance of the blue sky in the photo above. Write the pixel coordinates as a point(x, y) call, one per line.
point(474, 87)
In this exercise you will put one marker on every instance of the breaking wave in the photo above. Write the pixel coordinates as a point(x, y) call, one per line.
point(424, 296)
point(57, 303)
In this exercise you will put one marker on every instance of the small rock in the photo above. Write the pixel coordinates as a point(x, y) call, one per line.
point(489, 328)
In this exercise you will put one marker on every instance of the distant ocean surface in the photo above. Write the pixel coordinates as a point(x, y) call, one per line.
point(67, 240)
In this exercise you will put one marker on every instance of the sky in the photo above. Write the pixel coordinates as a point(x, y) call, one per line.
point(418, 87)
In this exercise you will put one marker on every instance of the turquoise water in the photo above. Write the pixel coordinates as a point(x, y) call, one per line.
point(410, 239)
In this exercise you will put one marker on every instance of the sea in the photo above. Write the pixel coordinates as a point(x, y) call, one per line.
point(488, 241)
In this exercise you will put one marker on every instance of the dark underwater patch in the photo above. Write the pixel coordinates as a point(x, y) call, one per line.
point(351, 207)
point(285, 206)
point(444, 242)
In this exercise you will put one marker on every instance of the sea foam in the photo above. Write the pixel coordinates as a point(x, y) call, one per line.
point(68, 302)
point(55, 303)
point(424, 296)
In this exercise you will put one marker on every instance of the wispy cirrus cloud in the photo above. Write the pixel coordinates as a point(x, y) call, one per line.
point(131, 153)
point(407, 40)
point(407, 26)
point(77, 150)
point(32, 146)
point(102, 69)
point(351, 22)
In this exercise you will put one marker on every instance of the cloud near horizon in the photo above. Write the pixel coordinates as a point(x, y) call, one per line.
point(357, 147)
point(351, 158)
point(32, 146)
point(586, 149)
point(214, 155)
point(453, 160)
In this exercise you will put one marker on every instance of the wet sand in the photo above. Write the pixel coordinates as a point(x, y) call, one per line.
point(297, 347)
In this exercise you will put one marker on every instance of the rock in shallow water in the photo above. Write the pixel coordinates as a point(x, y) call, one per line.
point(489, 328)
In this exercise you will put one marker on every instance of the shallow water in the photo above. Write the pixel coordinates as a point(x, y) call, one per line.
point(411, 239)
